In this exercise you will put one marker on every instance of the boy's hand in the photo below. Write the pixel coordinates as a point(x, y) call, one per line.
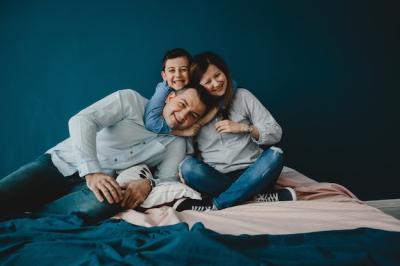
point(193, 130)
point(189, 132)
point(209, 116)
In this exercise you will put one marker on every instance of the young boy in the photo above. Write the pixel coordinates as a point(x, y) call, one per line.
point(175, 75)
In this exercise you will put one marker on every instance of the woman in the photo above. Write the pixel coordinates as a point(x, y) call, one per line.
point(232, 166)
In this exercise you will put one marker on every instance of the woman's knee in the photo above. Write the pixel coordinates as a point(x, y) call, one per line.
point(273, 156)
point(267, 166)
point(190, 169)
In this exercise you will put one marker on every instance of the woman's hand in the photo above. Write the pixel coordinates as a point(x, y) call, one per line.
point(103, 185)
point(136, 193)
point(228, 126)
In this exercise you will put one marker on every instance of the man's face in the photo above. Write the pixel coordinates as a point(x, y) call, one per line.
point(182, 110)
point(176, 72)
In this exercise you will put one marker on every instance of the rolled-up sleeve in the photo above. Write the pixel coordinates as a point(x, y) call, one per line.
point(260, 117)
point(83, 127)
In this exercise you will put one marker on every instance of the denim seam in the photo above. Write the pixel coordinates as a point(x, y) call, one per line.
point(180, 166)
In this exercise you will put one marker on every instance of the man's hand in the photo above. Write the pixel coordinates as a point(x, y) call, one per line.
point(103, 185)
point(228, 126)
point(136, 192)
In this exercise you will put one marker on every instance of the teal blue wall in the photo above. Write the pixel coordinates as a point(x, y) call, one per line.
point(327, 70)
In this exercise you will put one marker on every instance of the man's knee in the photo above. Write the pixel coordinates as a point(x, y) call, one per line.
point(84, 204)
point(91, 207)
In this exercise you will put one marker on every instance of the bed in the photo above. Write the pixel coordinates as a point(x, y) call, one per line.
point(328, 225)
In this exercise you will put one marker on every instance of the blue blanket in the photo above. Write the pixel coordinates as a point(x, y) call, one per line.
point(67, 240)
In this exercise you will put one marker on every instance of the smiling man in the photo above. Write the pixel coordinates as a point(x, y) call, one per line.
point(78, 174)
point(176, 112)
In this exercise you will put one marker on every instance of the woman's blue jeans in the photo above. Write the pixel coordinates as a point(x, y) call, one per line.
point(40, 188)
point(229, 189)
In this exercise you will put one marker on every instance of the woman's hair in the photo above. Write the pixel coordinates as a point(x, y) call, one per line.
point(199, 66)
point(175, 53)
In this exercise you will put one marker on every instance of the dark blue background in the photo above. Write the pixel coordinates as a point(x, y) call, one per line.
point(327, 70)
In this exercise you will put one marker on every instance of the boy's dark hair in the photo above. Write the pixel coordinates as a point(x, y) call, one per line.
point(175, 53)
point(208, 100)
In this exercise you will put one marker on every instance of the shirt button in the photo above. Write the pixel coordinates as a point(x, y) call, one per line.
point(143, 142)
point(131, 152)
point(115, 159)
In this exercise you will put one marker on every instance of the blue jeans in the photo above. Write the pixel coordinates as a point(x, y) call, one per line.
point(39, 187)
point(229, 189)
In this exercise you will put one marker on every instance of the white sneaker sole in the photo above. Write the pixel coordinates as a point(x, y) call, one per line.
point(294, 196)
point(177, 203)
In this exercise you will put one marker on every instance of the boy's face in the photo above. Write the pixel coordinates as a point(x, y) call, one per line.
point(182, 110)
point(176, 72)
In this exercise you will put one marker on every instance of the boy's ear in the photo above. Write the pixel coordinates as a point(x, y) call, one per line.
point(163, 75)
point(170, 96)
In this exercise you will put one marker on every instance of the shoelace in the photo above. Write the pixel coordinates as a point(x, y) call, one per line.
point(268, 197)
point(202, 208)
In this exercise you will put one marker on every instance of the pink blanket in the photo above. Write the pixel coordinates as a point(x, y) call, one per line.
point(320, 207)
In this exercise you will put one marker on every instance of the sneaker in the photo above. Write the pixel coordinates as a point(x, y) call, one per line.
point(284, 194)
point(194, 205)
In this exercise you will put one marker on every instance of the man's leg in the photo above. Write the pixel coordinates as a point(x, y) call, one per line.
point(259, 177)
point(82, 202)
point(32, 185)
point(203, 178)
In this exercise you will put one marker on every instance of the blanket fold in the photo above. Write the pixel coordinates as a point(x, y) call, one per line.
point(321, 207)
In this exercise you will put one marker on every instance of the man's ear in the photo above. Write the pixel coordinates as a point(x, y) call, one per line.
point(170, 96)
point(163, 75)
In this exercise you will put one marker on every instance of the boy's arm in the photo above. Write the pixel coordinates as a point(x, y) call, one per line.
point(188, 132)
point(153, 118)
point(209, 116)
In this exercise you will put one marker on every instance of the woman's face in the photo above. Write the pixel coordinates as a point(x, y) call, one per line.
point(215, 81)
